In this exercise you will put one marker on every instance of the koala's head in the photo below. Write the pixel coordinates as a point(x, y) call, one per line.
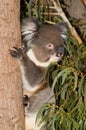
point(43, 41)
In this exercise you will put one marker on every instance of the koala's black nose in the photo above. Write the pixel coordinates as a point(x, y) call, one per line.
point(26, 100)
point(60, 51)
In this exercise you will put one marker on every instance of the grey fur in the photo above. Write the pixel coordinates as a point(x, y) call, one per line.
point(28, 30)
point(63, 29)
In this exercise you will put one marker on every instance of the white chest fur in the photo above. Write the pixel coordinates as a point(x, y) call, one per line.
point(30, 123)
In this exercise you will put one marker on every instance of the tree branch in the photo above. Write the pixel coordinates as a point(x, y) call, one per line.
point(58, 8)
point(84, 1)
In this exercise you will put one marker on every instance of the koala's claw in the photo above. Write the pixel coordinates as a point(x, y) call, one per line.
point(16, 52)
point(26, 101)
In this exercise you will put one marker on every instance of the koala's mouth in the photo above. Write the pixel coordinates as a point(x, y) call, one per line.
point(56, 57)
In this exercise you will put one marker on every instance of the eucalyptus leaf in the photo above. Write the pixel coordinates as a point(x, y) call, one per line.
point(76, 80)
point(65, 75)
point(41, 112)
point(81, 86)
point(30, 9)
point(84, 125)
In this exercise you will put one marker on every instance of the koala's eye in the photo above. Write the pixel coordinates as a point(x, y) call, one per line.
point(50, 46)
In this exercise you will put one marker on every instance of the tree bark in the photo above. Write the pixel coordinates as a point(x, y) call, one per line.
point(11, 108)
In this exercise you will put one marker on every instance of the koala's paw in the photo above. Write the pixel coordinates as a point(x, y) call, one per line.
point(26, 101)
point(16, 52)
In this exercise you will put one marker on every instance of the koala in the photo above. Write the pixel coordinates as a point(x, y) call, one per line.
point(42, 44)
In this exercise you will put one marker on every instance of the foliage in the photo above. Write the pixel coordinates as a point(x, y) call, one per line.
point(68, 81)
point(42, 9)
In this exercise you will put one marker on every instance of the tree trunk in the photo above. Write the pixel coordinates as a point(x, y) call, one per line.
point(11, 108)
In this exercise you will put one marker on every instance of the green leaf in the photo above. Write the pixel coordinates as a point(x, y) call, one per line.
point(41, 112)
point(76, 80)
point(54, 73)
point(85, 125)
point(60, 74)
point(65, 75)
point(29, 8)
point(81, 124)
point(81, 86)
point(63, 94)
point(84, 88)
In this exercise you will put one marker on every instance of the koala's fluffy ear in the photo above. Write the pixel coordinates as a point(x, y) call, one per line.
point(62, 29)
point(29, 29)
